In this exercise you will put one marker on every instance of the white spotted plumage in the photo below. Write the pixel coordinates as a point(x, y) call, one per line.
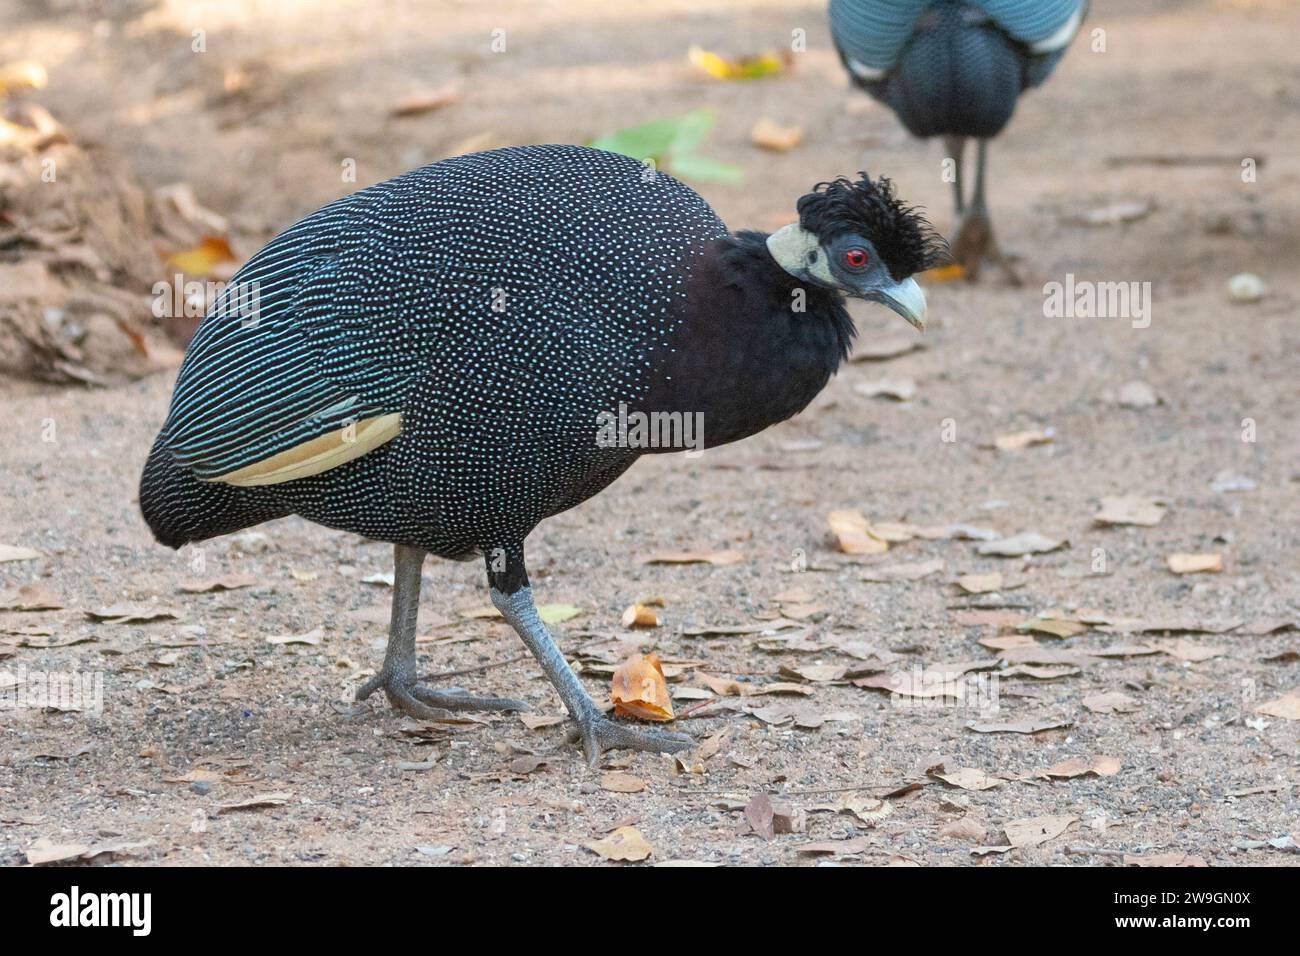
point(499, 301)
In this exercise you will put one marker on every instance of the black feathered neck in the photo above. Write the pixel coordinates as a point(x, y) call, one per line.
point(900, 233)
point(745, 262)
point(744, 354)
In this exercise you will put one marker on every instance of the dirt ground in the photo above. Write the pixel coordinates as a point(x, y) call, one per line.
point(202, 713)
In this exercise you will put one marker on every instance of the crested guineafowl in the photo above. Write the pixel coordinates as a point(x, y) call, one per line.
point(955, 68)
point(434, 361)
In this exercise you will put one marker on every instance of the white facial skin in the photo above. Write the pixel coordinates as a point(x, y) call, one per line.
point(850, 264)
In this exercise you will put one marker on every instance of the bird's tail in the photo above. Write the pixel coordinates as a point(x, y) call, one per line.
point(179, 508)
point(956, 76)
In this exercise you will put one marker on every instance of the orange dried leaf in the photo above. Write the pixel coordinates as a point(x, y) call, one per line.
point(640, 615)
point(855, 534)
point(769, 135)
point(949, 273)
point(1195, 563)
point(639, 690)
point(203, 258)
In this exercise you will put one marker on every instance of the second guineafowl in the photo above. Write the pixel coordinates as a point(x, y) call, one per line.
point(955, 68)
point(432, 362)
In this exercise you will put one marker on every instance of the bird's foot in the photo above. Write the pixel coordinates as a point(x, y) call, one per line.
point(974, 244)
point(423, 703)
point(598, 734)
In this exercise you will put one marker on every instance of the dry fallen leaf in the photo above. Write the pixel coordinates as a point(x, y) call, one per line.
point(951, 272)
point(767, 134)
point(1052, 626)
point(537, 721)
point(1137, 396)
point(968, 778)
point(1164, 859)
point(22, 73)
point(909, 571)
point(1024, 439)
point(1046, 672)
point(625, 843)
point(1016, 546)
point(29, 597)
point(312, 637)
point(1112, 702)
point(1078, 767)
point(867, 810)
point(619, 782)
point(426, 101)
point(817, 673)
point(854, 533)
point(1028, 726)
point(528, 763)
point(1185, 650)
point(725, 686)
point(695, 557)
point(640, 615)
point(1031, 831)
point(203, 259)
point(899, 389)
point(838, 848)
point(1114, 214)
point(967, 828)
point(759, 815)
point(1287, 707)
point(10, 552)
point(639, 690)
point(133, 614)
point(44, 851)
point(745, 68)
point(1195, 563)
point(1130, 509)
point(980, 583)
point(259, 802)
point(229, 582)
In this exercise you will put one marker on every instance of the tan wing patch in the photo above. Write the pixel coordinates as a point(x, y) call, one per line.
point(318, 455)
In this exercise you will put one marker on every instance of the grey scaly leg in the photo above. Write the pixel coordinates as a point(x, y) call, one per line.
point(598, 733)
point(397, 676)
point(981, 155)
point(955, 146)
point(975, 241)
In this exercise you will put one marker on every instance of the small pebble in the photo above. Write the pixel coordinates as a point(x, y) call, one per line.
point(1246, 287)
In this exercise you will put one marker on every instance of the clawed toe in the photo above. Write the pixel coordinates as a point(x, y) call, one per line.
point(599, 734)
point(462, 700)
point(426, 704)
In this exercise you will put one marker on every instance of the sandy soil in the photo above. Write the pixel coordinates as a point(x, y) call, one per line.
point(201, 713)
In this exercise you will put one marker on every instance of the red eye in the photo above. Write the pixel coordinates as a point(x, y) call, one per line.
point(856, 258)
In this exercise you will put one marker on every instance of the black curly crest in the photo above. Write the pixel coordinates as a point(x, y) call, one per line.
point(900, 233)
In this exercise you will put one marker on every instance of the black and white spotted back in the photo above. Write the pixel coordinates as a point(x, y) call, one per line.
point(498, 301)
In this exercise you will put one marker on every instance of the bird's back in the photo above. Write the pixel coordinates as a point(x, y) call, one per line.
point(496, 302)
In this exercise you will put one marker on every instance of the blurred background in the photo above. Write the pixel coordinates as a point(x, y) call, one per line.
point(250, 114)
